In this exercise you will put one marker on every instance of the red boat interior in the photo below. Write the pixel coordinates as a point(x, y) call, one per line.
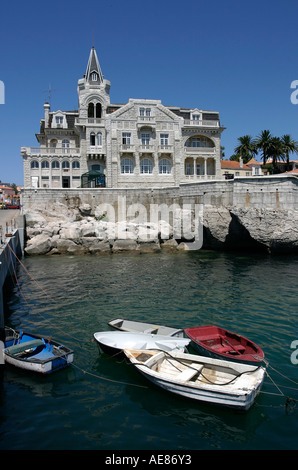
point(222, 341)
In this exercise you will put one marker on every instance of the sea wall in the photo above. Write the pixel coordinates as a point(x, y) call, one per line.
point(259, 213)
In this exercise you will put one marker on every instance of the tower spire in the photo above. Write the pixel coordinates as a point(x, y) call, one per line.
point(93, 72)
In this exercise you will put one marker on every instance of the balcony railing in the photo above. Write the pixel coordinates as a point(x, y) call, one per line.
point(200, 123)
point(52, 150)
point(88, 121)
point(127, 148)
point(198, 150)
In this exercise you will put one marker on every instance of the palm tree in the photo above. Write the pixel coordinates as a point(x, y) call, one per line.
point(275, 151)
point(290, 146)
point(263, 142)
point(246, 148)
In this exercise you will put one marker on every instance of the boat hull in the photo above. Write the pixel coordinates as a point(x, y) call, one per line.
point(239, 392)
point(114, 343)
point(218, 343)
point(35, 353)
point(131, 326)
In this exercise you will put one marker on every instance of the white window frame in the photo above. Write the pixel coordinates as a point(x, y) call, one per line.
point(126, 138)
point(145, 139)
point(164, 139)
point(164, 166)
point(126, 166)
point(146, 166)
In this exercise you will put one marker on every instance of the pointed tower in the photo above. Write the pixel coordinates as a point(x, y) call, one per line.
point(93, 72)
point(93, 90)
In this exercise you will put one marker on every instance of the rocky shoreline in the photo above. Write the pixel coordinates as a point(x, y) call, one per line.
point(81, 230)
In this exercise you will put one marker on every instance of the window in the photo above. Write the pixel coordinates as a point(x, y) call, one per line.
point(75, 164)
point(146, 165)
point(65, 165)
point(98, 110)
point(92, 139)
point(94, 77)
point(145, 112)
point(126, 165)
point(91, 110)
point(196, 142)
point(164, 139)
point(45, 164)
point(164, 166)
point(65, 146)
point(189, 169)
point(59, 120)
point(126, 136)
point(195, 117)
point(55, 164)
point(99, 139)
point(34, 164)
point(97, 168)
point(145, 139)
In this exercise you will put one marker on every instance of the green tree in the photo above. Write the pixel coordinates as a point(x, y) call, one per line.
point(276, 151)
point(290, 146)
point(246, 149)
point(263, 142)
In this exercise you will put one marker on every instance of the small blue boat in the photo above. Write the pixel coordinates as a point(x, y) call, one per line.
point(34, 352)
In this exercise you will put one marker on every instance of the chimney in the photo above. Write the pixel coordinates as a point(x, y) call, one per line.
point(46, 114)
point(241, 162)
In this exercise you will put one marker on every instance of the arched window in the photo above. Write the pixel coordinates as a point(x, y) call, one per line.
point(45, 164)
point(126, 165)
point(34, 164)
point(65, 164)
point(75, 164)
point(146, 165)
point(65, 146)
point(99, 139)
point(94, 77)
point(165, 166)
point(92, 139)
point(199, 141)
point(98, 110)
point(55, 164)
point(91, 110)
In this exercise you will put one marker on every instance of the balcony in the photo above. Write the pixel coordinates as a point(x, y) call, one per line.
point(127, 148)
point(146, 148)
point(38, 151)
point(146, 121)
point(165, 149)
point(200, 123)
point(198, 150)
point(89, 122)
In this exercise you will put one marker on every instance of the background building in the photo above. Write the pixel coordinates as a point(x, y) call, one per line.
point(138, 144)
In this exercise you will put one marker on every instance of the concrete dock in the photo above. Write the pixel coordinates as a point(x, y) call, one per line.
point(11, 248)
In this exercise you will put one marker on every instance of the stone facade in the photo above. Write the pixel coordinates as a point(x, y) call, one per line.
point(138, 144)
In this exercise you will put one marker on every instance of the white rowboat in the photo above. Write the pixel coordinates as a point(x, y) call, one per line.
point(141, 327)
point(113, 342)
point(220, 382)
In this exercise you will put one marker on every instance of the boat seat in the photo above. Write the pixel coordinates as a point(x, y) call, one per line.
point(20, 347)
point(189, 373)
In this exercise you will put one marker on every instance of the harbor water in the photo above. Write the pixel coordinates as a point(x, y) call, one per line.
point(101, 402)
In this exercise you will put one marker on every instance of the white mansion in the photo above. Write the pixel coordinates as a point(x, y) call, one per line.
point(138, 144)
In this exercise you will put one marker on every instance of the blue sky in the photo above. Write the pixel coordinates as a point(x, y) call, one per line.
point(238, 58)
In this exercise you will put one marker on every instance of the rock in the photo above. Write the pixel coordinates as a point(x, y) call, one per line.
point(169, 245)
point(39, 245)
point(85, 209)
point(124, 245)
point(33, 219)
